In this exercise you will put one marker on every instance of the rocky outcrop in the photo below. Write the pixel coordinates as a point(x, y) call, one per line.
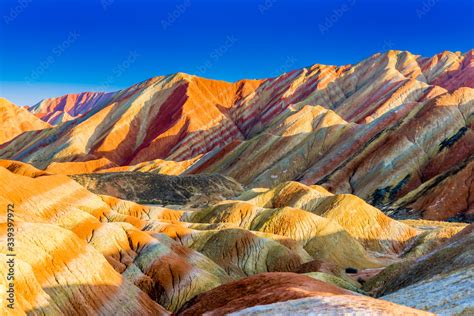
point(151, 188)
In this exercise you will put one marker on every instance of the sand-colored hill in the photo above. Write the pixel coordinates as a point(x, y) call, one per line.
point(15, 120)
point(58, 273)
point(78, 251)
point(362, 221)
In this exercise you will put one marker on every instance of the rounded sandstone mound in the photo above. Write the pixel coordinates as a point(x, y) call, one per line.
point(22, 169)
point(60, 274)
point(321, 237)
point(362, 221)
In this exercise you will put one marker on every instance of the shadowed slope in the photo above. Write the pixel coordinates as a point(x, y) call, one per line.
point(441, 281)
point(160, 189)
point(70, 106)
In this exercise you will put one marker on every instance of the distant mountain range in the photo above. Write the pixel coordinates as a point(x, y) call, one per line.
point(395, 129)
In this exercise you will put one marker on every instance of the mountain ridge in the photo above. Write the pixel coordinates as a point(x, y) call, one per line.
point(330, 125)
point(184, 74)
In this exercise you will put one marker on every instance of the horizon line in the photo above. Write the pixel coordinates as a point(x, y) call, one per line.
point(99, 88)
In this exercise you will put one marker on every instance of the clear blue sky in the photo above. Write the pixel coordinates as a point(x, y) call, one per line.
point(49, 48)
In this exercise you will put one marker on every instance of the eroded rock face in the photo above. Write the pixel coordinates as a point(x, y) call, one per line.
point(120, 256)
point(448, 294)
point(440, 281)
point(58, 274)
point(393, 124)
point(447, 196)
point(394, 130)
point(97, 237)
point(151, 188)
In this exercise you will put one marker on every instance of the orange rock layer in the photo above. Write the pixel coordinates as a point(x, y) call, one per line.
point(82, 253)
point(382, 128)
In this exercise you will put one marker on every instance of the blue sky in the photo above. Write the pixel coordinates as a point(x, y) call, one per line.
point(49, 48)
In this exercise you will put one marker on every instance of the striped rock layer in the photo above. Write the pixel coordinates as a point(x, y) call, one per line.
point(16, 120)
point(395, 129)
point(79, 252)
